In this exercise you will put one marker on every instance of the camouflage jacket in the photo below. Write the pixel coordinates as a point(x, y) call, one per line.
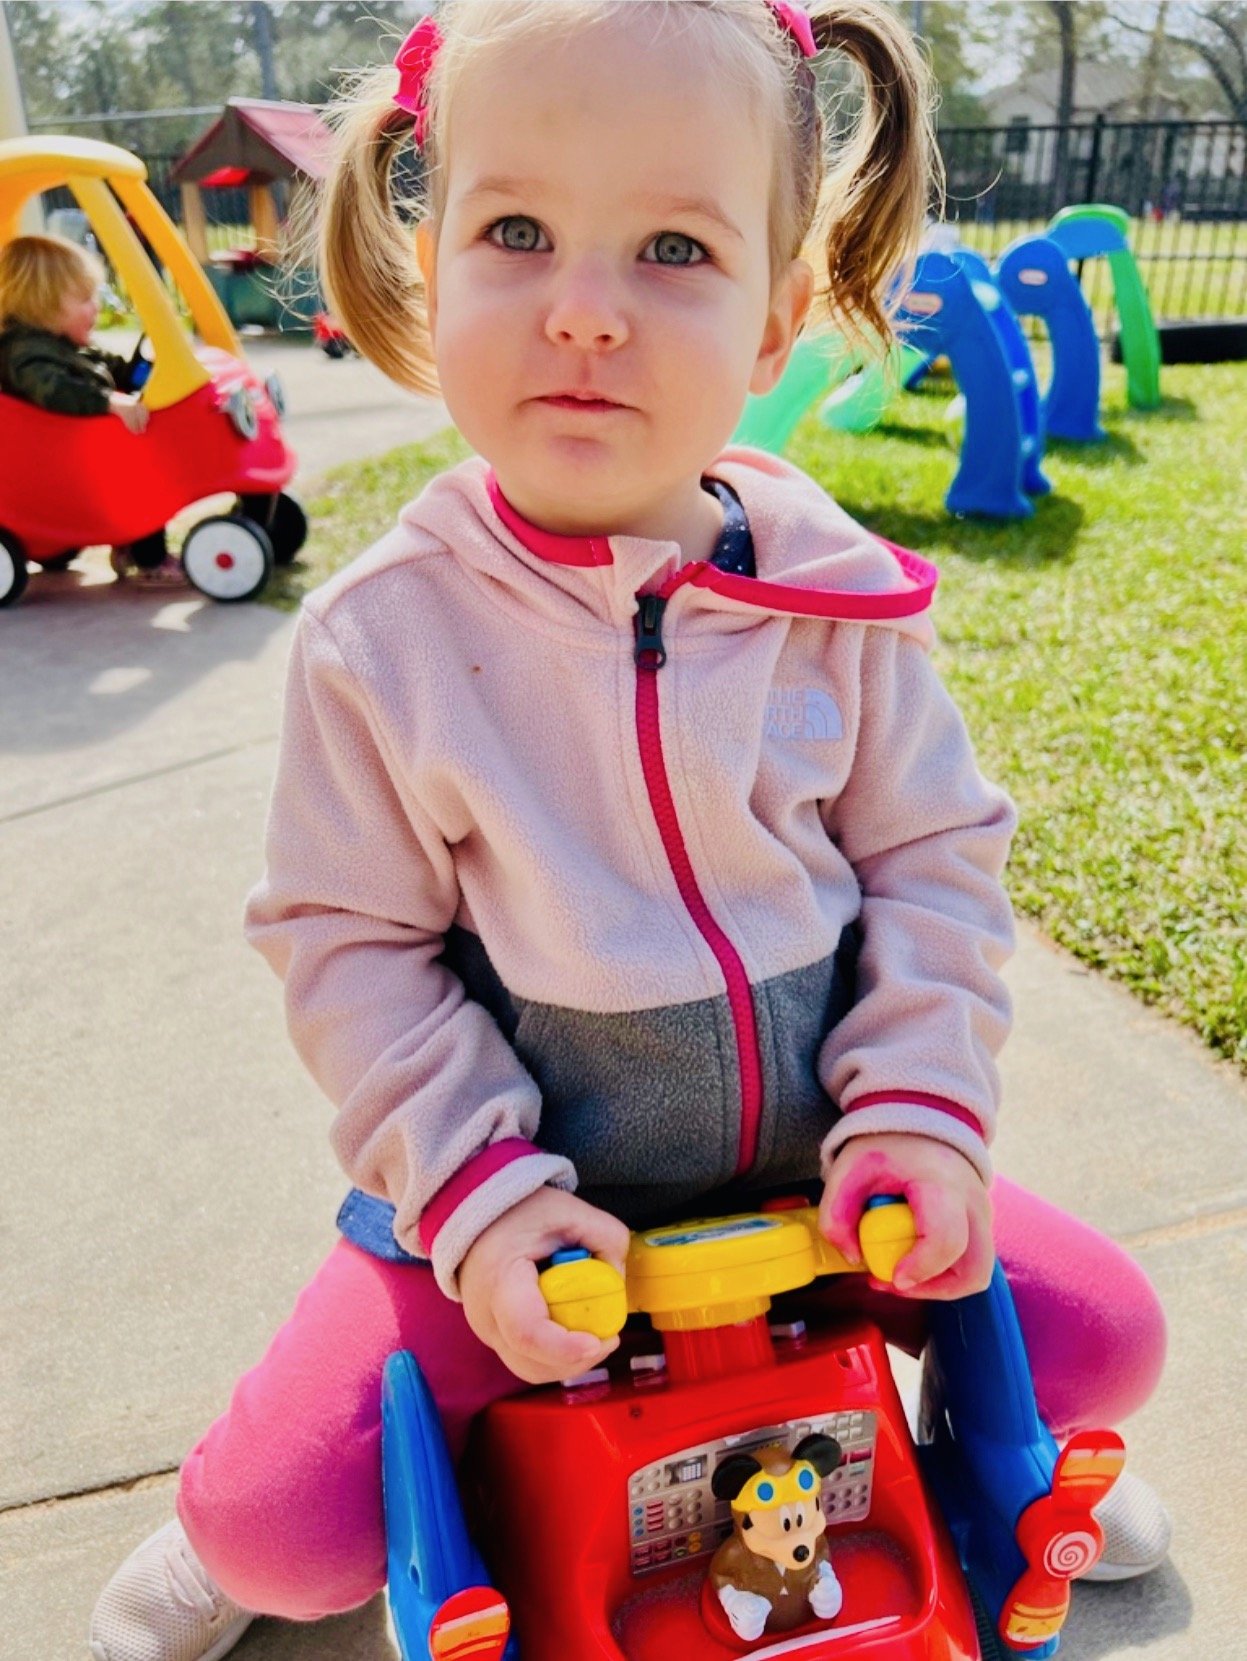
point(49, 370)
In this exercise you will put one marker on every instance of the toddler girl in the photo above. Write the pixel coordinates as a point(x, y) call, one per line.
point(49, 303)
point(626, 858)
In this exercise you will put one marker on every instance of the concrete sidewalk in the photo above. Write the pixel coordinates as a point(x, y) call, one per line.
point(165, 1181)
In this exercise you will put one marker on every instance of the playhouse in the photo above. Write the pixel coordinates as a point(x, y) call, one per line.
point(278, 152)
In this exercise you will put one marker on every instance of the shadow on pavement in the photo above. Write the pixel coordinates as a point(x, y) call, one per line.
point(1127, 1616)
point(85, 657)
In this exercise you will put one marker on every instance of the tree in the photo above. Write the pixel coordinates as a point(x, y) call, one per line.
point(950, 32)
point(262, 26)
point(1215, 35)
point(1067, 33)
point(106, 56)
point(1152, 63)
point(35, 29)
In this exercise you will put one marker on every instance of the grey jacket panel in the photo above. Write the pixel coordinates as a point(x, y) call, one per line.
point(647, 1105)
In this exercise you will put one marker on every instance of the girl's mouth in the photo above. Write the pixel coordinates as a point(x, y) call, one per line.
point(598, 405)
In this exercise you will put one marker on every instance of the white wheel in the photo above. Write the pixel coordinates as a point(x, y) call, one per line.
point(13, 570)
point(227, 557)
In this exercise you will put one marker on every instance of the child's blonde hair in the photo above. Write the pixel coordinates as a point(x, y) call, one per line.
point(37, 273)
point(861, 209)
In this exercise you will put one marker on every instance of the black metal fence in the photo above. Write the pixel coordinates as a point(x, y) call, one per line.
point(1183, 182)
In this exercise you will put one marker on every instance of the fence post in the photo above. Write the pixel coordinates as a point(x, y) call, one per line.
point(1093, 164)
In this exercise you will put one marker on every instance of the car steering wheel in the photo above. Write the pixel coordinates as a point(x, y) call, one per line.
point(135, 377)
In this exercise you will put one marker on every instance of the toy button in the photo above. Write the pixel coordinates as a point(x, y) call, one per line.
point(570, 1254)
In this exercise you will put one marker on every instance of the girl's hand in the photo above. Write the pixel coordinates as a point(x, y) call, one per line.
point(135, 414)
point(501, 1298)
point(952, 1211)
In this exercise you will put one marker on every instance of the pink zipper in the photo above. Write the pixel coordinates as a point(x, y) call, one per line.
point(650, 656)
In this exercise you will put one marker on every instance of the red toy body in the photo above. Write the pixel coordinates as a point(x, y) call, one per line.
point(69, 481)
point(596, 1509)
point(615, 1480)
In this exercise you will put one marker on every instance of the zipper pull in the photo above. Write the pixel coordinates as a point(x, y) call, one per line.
point(650, 652)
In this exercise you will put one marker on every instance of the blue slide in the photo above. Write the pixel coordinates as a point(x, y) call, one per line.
point(1036, 280)
point(955, 308)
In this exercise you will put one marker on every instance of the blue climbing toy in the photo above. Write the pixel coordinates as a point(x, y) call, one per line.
point(955, 309)
point(1035, 278)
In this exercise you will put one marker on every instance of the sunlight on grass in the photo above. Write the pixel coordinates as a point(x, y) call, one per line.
point(1099, 654)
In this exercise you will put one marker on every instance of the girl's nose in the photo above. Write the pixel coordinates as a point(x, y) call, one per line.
point(585, 309)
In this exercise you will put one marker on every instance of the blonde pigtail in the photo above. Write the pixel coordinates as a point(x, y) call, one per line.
point(874, 201)
point(366, 255)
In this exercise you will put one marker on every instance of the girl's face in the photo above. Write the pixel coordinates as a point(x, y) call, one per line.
point(77, 316)
point(572, 255)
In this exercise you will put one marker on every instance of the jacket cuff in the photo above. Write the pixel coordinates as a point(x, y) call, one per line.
point(492, 1181)
point(911, 1113)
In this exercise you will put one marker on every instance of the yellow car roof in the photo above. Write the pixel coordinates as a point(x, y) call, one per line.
point(29, 166)
point(57, 158)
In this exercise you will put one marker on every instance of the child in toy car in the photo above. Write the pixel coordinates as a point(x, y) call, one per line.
point(49, 303)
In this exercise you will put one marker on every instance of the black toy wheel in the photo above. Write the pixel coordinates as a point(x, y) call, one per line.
point(228, 557)
point(61, 562)
point(13, 569)
point(991, 1648)
point(335, 348)
point(283, 518)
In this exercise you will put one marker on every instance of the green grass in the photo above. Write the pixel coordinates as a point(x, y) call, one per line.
point(1098, 651)
point(357, 503)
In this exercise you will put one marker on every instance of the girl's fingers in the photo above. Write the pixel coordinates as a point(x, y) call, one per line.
point(970, 1273)
point(942, 1221)
point(598, 1232)
point(844, 1201)
point(527, 1334)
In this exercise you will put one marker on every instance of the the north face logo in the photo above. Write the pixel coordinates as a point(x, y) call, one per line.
point(802, 713)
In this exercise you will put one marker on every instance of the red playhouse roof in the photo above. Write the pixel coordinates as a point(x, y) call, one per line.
point(257, 140)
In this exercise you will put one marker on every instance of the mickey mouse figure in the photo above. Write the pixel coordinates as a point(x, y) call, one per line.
point(773, 1573)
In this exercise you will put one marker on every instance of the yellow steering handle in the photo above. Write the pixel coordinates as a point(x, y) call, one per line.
point(719, 1270)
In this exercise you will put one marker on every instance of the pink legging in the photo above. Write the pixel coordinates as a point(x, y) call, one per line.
point(282, 1496)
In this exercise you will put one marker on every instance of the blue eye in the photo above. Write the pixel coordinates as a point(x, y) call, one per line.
point(513, 219)
point(766, 1492)
point(805, 1479)
point(666, 238)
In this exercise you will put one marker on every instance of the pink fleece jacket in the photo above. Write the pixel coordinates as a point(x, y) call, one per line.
point(587, 869)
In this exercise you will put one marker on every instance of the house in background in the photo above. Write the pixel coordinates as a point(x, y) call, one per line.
point(1186, 165)
point(1107, 89)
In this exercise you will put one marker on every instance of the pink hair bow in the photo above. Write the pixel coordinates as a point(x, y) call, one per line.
point(413, 61)
point(797, 23)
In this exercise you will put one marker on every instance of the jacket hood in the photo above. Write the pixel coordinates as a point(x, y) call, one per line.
point(813, 560)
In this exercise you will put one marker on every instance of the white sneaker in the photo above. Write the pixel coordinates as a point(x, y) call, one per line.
point(1137, 1530)
point(162, 1605)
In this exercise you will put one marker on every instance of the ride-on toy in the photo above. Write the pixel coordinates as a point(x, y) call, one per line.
point(68, 481)
point(596, 1508)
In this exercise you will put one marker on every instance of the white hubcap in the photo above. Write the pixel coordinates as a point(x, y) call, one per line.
point(223, 560)
point(8, 571)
